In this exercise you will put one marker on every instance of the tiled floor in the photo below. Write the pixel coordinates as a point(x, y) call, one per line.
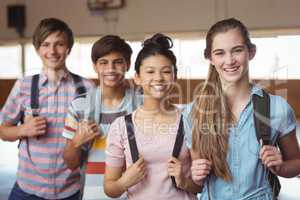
point(8, 166)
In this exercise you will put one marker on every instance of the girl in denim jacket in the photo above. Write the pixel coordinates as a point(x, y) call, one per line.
point(228, 161)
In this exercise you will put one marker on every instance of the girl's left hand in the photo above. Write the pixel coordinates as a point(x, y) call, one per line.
point(271, 158)
point(175, 169)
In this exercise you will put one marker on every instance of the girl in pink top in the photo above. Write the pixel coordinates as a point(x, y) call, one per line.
point(155, 126)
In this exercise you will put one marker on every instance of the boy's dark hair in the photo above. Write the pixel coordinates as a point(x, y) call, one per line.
point(108, 44)
point(48, 26)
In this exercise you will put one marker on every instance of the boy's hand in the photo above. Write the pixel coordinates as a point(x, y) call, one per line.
point(175, 169)
point(86, 131)
point(33, 126)
point(134, 174)
point(271, 157)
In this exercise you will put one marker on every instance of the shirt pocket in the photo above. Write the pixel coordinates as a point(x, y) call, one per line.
point(252, 142)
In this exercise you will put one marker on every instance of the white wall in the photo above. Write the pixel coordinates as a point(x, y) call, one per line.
point(146, 16)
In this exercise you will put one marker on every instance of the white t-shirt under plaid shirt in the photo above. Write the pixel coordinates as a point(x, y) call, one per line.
point(89, 106)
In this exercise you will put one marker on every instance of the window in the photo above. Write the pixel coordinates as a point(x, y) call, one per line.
point(276, 58)
point(79, 60)
point(33, 63)
point(10, 62)
point(289, 48)
point(190, 58)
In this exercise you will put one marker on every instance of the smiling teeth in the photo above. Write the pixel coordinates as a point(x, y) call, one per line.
point(233, 69)
point(159, 87)
point(53, 59)
point(110, 77)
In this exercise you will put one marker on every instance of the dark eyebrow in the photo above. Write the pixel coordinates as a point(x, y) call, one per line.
point(163, 67)
point(216, 50)
point(149, 67)
point(239, 46)
point(236, 47)
point(167, 67)
point(101, 60)
point(119, 59)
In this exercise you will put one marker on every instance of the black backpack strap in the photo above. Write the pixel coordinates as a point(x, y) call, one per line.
point(179, 140)
point(131, 138)
point(275, 185)
point(133, 147)
point(178, 144)
point(34, 104)
point(261, 114)
point(80, 89)
point(34, 100)
point(34, 96)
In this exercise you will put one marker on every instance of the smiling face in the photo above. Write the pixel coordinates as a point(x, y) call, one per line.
point(111, 69)
point(156, 76)
point(230, 56)
point(53, 51)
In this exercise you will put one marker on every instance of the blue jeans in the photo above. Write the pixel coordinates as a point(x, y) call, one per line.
point(18, 194)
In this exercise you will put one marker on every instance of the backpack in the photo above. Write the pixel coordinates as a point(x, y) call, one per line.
point(34, 98)
point(34, 92)
point(34, 101)
point(133, 147)
point(261, 114)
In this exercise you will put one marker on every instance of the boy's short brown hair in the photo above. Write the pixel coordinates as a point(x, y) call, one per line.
point(108, 44)
point(48, 26)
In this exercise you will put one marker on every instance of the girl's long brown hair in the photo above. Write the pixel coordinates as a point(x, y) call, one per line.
point(211, 113)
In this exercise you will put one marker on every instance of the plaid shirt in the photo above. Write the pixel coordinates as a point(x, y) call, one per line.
point(41, 169)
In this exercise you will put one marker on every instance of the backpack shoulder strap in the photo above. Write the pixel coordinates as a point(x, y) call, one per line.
point(261, 114)
point(34, 96)
point(178, 145)
point(133, 147)
point(34, 99)
point(131, 138)
point(34, 104)
point(179, 139)
point(80, 89)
